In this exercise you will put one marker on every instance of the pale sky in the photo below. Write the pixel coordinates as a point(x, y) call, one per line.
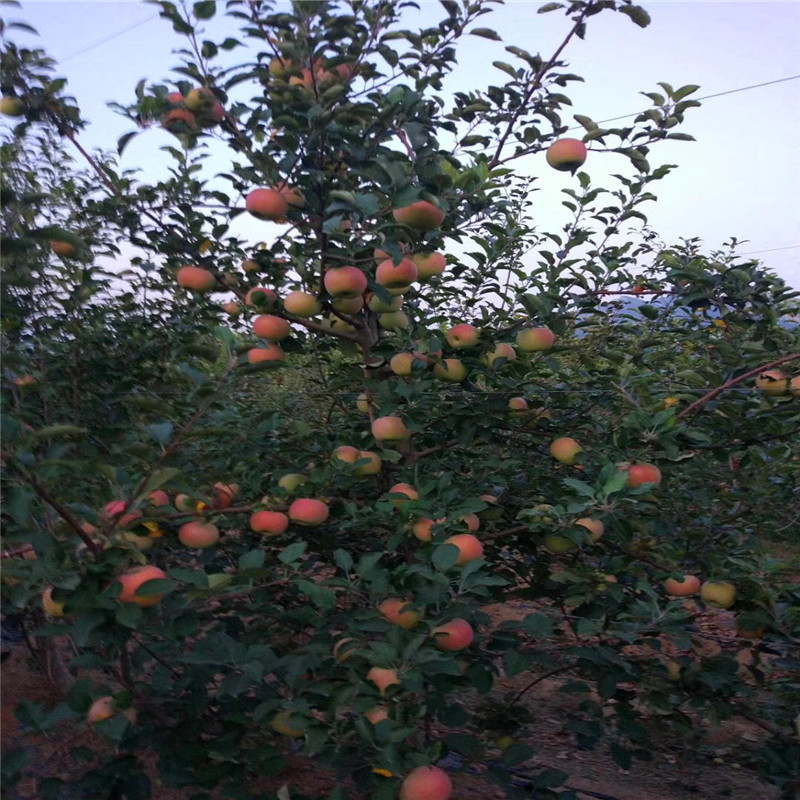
point(739, 179)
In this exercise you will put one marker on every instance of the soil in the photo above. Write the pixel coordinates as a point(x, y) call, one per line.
point(701, 766)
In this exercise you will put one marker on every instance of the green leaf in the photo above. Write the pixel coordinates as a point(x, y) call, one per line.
point(548, 7)
point(517, 754)
point(637, 15)
point(160, 477)
point(684, 91)
point(205, 9)
point(486, 33)
point(343, 560)
point(160, 431)
point(445, 557)
point(252, 560)
point(58, 432)
point(504, 67)
point(292, 553)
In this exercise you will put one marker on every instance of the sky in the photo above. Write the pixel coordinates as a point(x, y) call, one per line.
point(740, 178)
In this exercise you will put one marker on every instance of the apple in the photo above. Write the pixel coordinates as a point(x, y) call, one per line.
point(201, 99)
point(184, 503)
point(639, 474)
point(454, 635)
point(501, 350)
point(11, 106)
point(345, 282)
point(395, 276)
point(176, 99)
point(308, 512)
point(469, 547)
point(422, 215)
point(426, 783)
point(393, 321)
point(198, 535)
point(179, 121)
point(292, 195)
point(302, 304)
point(772, 382)
point(196, 278)
point(272, 352)
point(261, 297)
point(281, 724)
point(518, 407)
point(683, 587)
point(403, 363)
point(232, 309)
point(594, 526)
point(565, 449)
point(63, 249)
point(381, 255)
point(405, 489)
point(532, 340)
point(133, 578)
point(363, 403)
point(372, 467)
point(556, 543)
point(566, 155)
point(718, 594)
point(383, 678)
point(348, 305)
point(114, 508)
point(450, 370)
point(794, 386)
point(423, 528)
point(267, 204)
point(52, 607)
point(429, 265)
point(398, 612)
point(291, 481)
point(103, 708)
point(224, 494)
point(673, 671)
point(271, 523)
point(494, 511)
point(462, 336)
point(377, 714)
point(268, 326)
point(248, 265)
point(382, 307)
point(346, 453)
point(390, 429)
point(471, 521)
point(158, 498)
point(341, 650)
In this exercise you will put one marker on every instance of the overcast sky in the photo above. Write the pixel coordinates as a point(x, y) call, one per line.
point(739, 179)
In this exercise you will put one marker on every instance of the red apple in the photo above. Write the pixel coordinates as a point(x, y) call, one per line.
point(268, 326)
point(260, 297)
point(383, 678)
point(426, 783)
point(390, 429)
point(345, 282)
point(422, 215)
point(270, 523)
point(565, 449)
point(454, 635)
point(198, 535)
point(196, 278)
point(566, 155)
point(399, 612)
point(462, 336)
point(272, 352)
point(405, 489)
point(308, 512)
point(639, 474)
point(469, 547)
point(689, 584)
point(395, 276)
point(133, 578)
point(267, 204)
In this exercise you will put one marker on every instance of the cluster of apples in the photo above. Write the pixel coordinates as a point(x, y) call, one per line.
point(321, 75)
point(776, 383)
point(200, 108)
point(717, 594)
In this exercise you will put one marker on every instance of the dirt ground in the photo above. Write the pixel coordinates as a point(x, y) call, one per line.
point(701, 767)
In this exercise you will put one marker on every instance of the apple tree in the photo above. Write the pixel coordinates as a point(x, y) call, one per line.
point(269, 479)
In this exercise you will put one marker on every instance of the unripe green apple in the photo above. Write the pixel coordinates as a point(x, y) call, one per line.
point(718, 594)
point(393, 321)
point(556, 543)
point(302, 304)
point(450, 370)
point(291, 481)
point(12, 106)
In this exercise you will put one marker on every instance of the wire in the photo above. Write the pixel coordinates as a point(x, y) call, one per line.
point(772, 250)
point(706, 97)
point(107, 39)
